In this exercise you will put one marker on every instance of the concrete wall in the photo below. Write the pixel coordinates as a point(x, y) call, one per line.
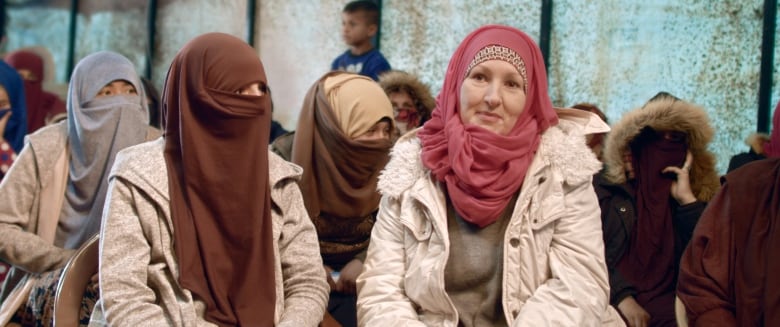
point(614, 53)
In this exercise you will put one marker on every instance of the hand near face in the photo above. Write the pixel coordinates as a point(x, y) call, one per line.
point(681, 188)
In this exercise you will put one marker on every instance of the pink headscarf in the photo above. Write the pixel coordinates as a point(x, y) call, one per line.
point(772, 147)
point(481, 169)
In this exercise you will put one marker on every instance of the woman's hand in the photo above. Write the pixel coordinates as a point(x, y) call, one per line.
point(350, 272)
point(635, 315)
point(681, 188)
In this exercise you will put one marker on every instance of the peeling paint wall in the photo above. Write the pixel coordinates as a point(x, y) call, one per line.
point(614, 53)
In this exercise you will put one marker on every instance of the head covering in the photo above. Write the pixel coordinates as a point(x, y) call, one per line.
point(339, 173)
point(395, 81)
point(666, 114)
point(772, 147)
point(98, 128)
point(481, 169)
point(16, 128)
point(40, 104)
point(216, 151)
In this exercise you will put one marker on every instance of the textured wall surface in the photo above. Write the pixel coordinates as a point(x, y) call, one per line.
point(297, 41)
point(178, 21)
point(614, 53)
point(42, 26)
point(115, 26)
point(419, 37)
point(705, 52)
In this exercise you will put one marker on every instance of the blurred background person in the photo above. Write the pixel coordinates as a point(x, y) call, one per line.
point(412, 100)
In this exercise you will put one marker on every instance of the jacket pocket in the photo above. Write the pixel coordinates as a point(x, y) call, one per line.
point(546, 207)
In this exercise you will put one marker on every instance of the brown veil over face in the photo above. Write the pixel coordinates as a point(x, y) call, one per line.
point(216, 151)
point(340, 174)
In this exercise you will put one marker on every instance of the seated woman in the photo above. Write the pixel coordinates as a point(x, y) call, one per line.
point(51, 200)
point(43, 107)
point(658, 177)
point(205, 226)
point(488, 215)
point(728, 274)
point(342, 141)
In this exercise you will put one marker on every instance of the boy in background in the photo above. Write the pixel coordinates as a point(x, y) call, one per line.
point(359, 23)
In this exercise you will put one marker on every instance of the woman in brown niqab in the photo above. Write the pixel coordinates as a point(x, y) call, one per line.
point(205, 226)
point(216, 152)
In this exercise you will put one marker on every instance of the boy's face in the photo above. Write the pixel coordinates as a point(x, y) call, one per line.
point(355, 28)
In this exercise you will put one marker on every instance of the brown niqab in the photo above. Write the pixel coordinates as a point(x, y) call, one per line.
point(216, 150)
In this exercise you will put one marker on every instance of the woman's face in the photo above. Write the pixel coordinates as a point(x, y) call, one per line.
point(492, 96)
point(117, 87)
point(380, 131)
point(401, 100)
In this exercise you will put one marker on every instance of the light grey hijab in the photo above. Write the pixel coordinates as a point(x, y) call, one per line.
point(98, 128)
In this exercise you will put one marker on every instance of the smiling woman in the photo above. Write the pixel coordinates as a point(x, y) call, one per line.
point(485, 219)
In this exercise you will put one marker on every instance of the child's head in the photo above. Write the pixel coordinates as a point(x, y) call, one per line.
point(359, 22)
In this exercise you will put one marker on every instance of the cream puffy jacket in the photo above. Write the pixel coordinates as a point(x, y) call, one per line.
point(554, 270)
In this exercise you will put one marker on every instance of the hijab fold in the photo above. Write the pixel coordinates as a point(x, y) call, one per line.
point(481, 169)
point(216, 151)
point(98, 128)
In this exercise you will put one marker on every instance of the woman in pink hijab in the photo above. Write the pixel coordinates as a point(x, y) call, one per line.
point(488, 216)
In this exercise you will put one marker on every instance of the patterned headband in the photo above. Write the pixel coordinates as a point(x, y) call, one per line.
point(497, 52)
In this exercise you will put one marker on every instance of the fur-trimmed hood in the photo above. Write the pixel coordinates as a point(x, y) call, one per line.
point(395, 80)
point(562, 147)
point(671, 115)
